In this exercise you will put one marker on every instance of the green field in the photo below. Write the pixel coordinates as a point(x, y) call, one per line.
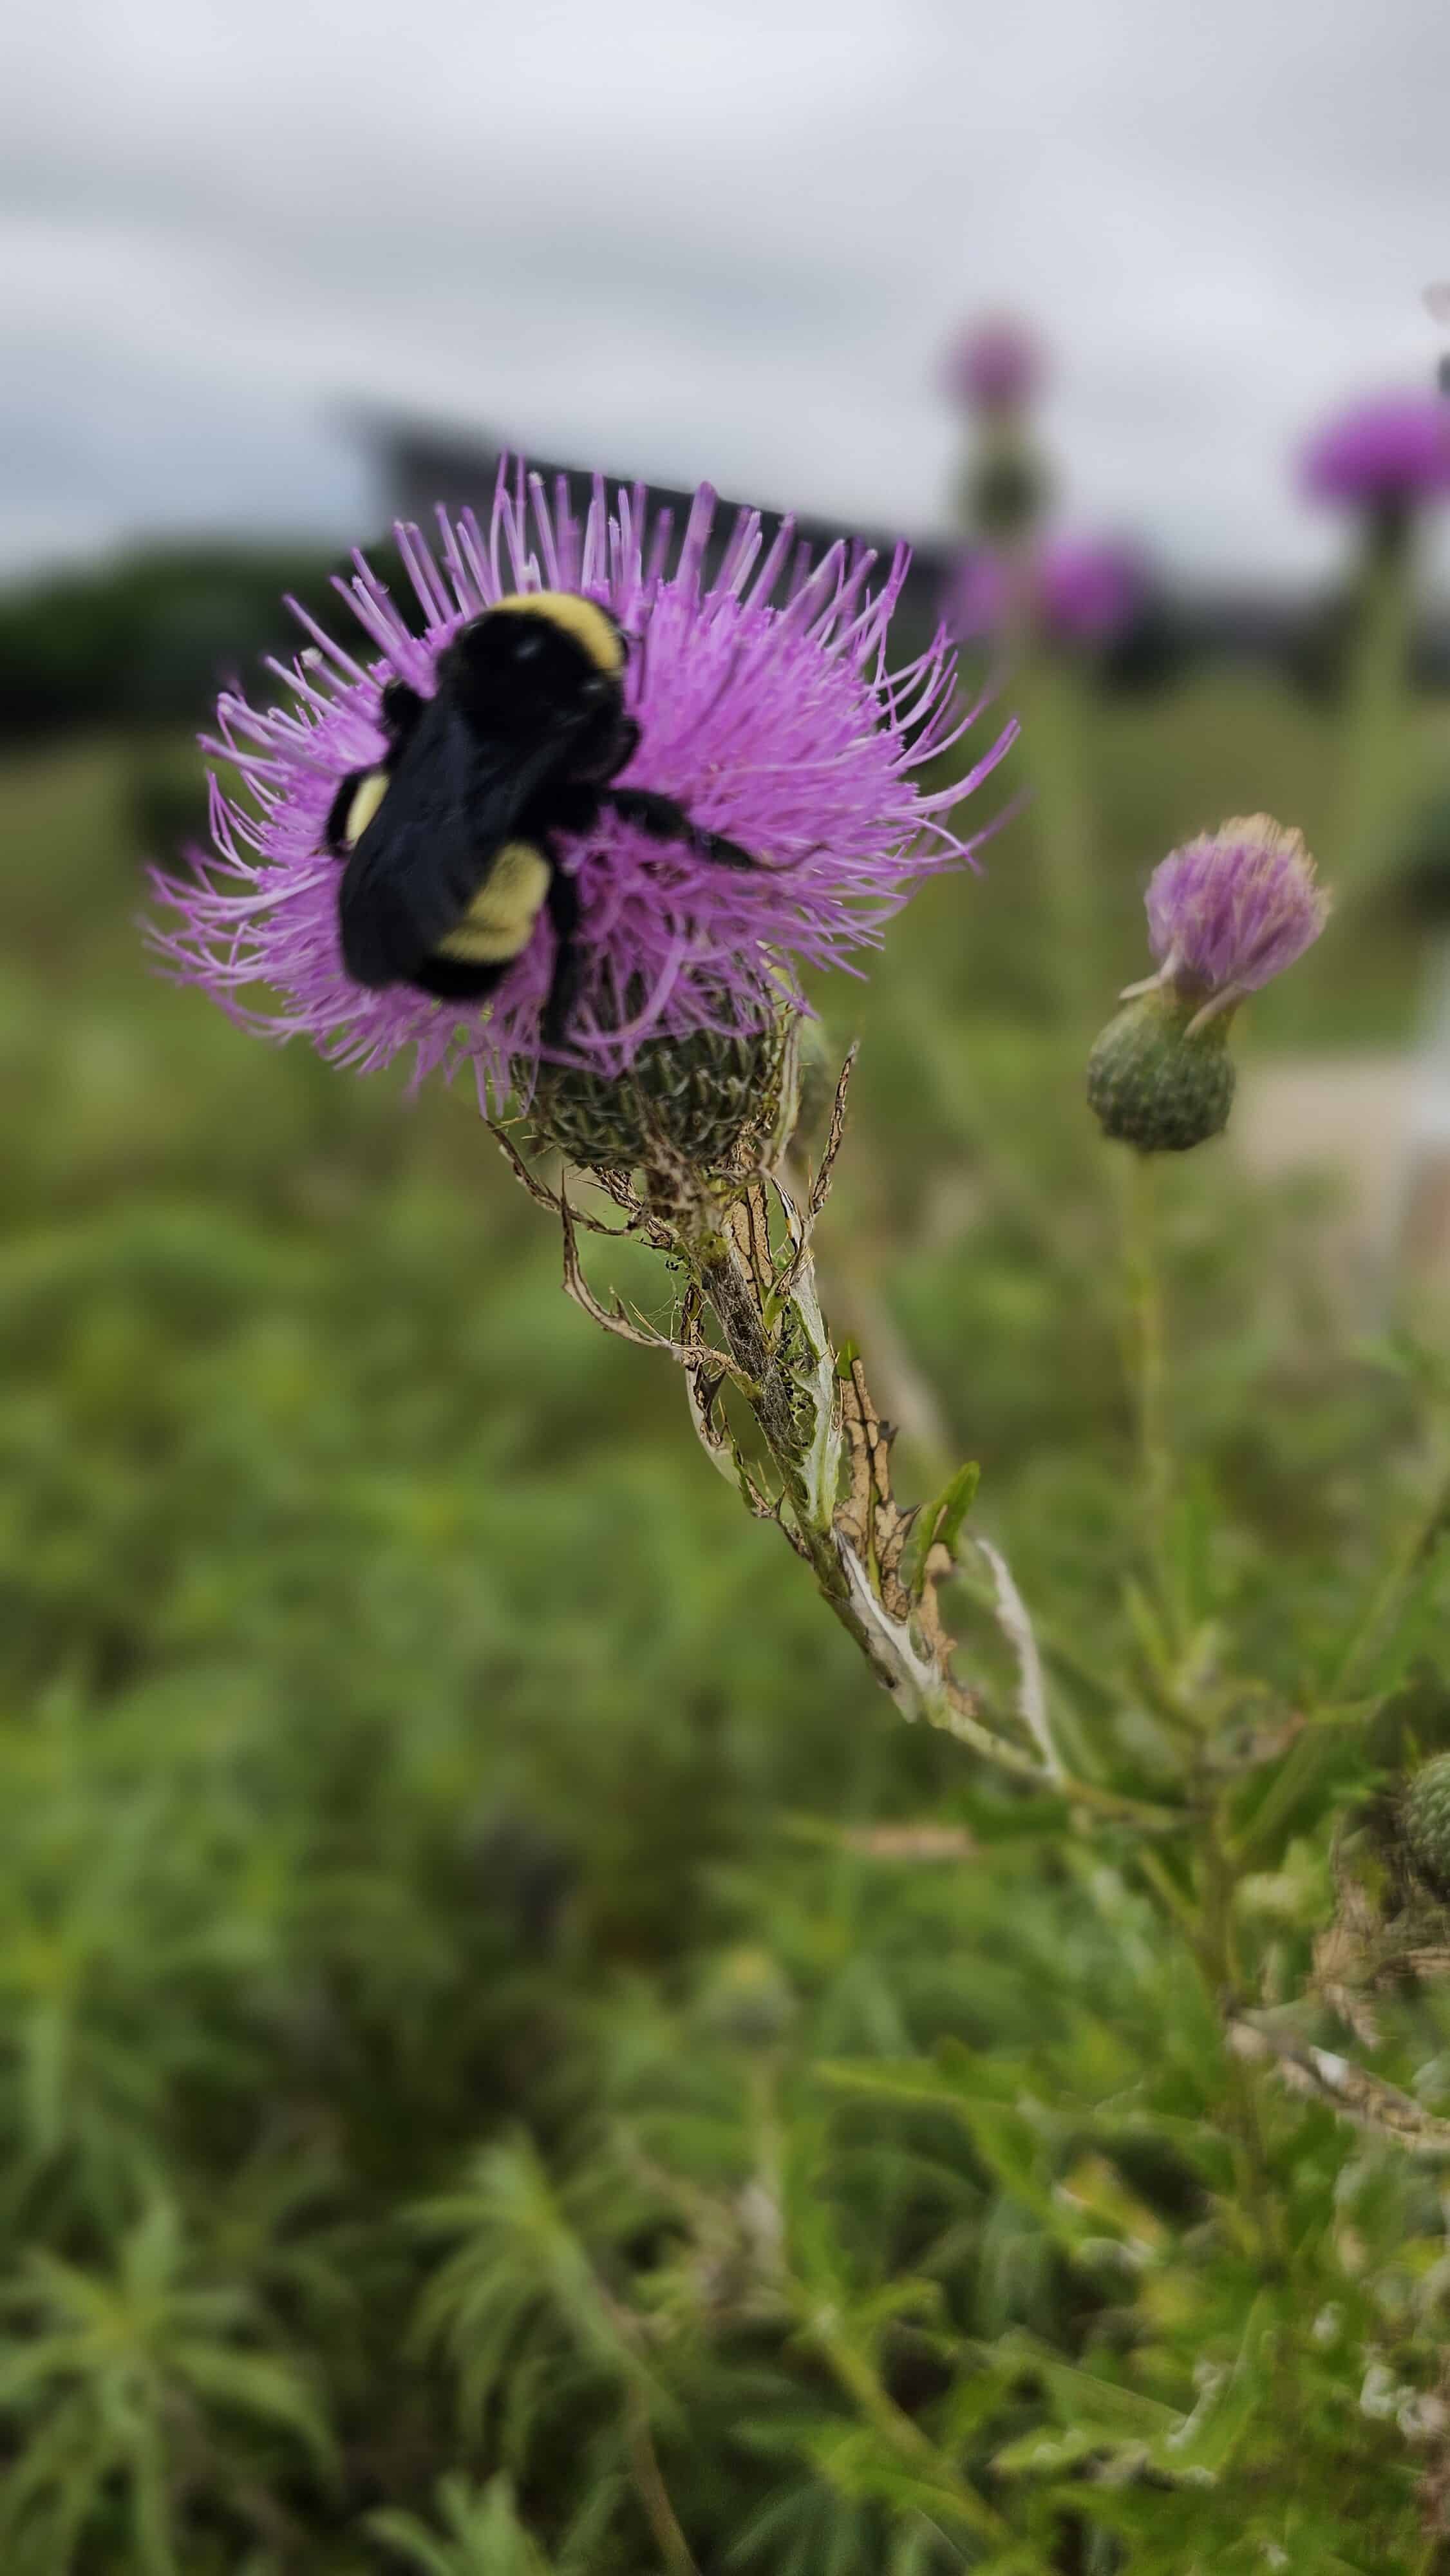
point(472, 2098)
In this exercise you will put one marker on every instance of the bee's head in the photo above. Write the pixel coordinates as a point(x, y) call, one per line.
point(543, 663)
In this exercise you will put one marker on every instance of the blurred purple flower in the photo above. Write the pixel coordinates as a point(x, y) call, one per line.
point(771, 718)
point(1074, 590)
point(995, 365)
point(1393, 448)
point(1231, 910)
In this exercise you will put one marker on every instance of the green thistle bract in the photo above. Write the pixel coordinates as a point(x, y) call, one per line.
point(698, 1101)
point(1155, 1082)
point(1425, 1823)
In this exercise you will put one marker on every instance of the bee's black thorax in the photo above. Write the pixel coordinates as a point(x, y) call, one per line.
point(529, 682)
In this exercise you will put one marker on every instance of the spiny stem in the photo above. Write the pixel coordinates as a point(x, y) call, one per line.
point(739, 1320)
point(778, 1356)
point(939, 1701)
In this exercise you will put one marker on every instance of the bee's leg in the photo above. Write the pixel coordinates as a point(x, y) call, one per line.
point(665, 820)
point(625, 745)
point(572, 806)
point(335, 828)
point(398, 714)
point(450, 979)
point(400, 710)
point(562, 904)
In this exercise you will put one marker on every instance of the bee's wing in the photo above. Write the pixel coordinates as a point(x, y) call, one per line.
point(452, 802)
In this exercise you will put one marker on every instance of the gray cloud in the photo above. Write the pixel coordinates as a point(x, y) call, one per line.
point(699, 240)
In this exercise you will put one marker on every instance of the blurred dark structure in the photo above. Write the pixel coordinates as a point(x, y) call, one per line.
point(420, 467)
point(145, 640)
point(140, 644)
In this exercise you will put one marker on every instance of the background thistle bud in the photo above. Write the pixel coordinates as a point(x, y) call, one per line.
point(996, 367)
point(748, 1999)
point(1156, 1082)
point(1006, 487)
point(1386, 456)
point(1425, 1824)
point(1226, 913)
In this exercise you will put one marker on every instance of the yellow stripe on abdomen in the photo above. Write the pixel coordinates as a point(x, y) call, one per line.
point(500, 920)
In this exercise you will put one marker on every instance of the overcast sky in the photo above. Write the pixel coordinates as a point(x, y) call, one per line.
point(703, 241)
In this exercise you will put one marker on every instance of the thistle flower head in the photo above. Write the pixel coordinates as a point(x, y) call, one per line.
point(995, 365)
point(1074, 590)
point(1392, 450)
point(764, 708)
point(1226, 913)
point(1230, 910)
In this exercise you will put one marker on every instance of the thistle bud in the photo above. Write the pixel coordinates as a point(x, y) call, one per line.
point(995, 371)
point(708, 1102)
point(748, 2000)
point(1152, 1084)
point(1226, 913)
point(1425, 1824)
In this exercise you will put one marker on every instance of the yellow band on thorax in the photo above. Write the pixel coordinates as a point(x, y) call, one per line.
point(588, 624)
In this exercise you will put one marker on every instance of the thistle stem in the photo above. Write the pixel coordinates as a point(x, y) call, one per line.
point(1219, 1965)
point(1426, 1529)
point(1053, 725)
point(913, 1670)
point(1375, 710)
point(899, 2431)
point(651, 2489)
point(876, 1572)
point(1147, 1365)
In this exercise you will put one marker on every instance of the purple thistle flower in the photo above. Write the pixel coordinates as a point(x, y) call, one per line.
point(1229, 911)
point(1074, 590)
point(764, 707)
point(1392, 449)
point(996, 365)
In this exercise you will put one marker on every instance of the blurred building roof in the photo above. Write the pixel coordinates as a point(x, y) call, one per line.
point(422, 465)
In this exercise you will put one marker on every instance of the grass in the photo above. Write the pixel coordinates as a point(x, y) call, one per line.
point(470, 2098)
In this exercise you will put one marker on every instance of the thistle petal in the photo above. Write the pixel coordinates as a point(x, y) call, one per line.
point(1232, 909)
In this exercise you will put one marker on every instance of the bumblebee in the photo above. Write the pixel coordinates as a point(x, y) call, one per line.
point(448, 841)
